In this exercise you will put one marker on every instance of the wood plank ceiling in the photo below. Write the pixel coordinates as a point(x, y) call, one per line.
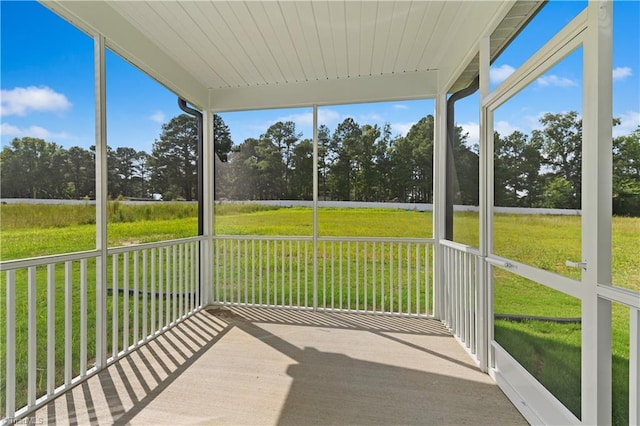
point(307, 48)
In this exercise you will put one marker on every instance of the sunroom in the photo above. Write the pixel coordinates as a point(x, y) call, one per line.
point(327, 298)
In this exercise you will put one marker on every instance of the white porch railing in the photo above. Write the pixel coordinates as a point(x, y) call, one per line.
point(629, 299)
point(51, 343)
point(458, 307)
point(376, 275)
point(459, 292)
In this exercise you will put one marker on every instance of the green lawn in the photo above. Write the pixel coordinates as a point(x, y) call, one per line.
point(551, 352)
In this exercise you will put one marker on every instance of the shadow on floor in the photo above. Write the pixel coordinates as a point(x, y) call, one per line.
point(324, 387)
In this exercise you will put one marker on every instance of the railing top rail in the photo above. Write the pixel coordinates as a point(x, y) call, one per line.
point(379, 239)
point(621, 295)
point(8, 265)
point(159, 244)
point(326, 239)
point(460, 247)
point(264, 237)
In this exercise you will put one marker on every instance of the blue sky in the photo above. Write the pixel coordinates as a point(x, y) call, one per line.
point(46, 77)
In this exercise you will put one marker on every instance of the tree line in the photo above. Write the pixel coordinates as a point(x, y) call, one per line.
point(355, 163)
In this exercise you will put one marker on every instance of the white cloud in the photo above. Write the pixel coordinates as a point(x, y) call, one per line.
point(7, 129)
point(505, 128)
point(369, 118)
point(401, 128)
point(629, 121)
point(326, 116)
point(499, 74)
point(157, 117)
point(532, 122)
point(473, 129)
point(620, 73)
point(554, 80)
point(22, 100)
point(400, 106)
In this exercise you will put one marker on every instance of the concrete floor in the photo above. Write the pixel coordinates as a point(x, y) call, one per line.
point(253, 366)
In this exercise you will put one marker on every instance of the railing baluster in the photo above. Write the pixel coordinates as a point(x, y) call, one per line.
point(366, 282)
point(31, 345)
point(83, 317)
point(349, 275)
point(306, 273)
point(456, 292)
point(199, 278)
point(399, 278)
point(451, 295)
point(236, 280)
point(245, 299)
point(174, 296)
point(145, 288)
point(51, 328)
point(161, 289)
point(459, 295)
point(467, 310)
point(188, 267)
point(193, 280)
point(253, 271)
point(216, 277)
point(260, 275)
point(282, 278)
point(375, 282)
point(154, 293)
point(232, 272)
point(383, 258)
point(268, 282)
point(449, 289)
point(298, 274)
point(275, 272)
point(168, 285)
point(224, 271)
point(333, 280)
point(125, 303)
point(391, 305)
point(290, 273)
point(10, 399)
point(191, 265)
point(417, 274)
point(408, 278)
point(341, 274)
point(136, 296)
point(181, 282)
point(68, 324)
point(114, 308)
point(427, 287)
point(357, 275)
point(324, 274)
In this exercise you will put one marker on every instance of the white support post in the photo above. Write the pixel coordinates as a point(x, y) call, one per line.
point(208, 168)
point(315, 207)
point(596, 213)
point(439, 210)
point(101, 201)
point(484, 311)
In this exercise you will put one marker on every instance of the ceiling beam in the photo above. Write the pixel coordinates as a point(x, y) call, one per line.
point(405, 86)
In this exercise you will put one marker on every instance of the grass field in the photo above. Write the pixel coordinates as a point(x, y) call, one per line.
point(551, 352)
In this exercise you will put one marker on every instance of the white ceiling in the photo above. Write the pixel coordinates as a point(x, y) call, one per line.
point(229, 55)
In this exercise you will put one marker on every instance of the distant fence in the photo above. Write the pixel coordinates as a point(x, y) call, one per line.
point(422, 207)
